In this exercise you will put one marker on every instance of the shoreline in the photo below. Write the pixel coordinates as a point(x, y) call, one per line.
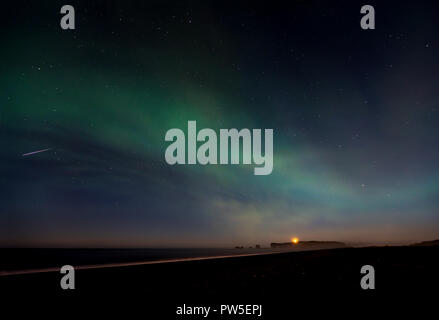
point(140, 263)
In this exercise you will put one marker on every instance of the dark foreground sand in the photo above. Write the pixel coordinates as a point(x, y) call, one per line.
point(281, 282)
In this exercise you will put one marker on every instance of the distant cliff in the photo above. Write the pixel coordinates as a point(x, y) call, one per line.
point(427, 243)
point(310, 245)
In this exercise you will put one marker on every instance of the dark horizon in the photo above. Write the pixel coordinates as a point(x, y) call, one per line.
point(219, 246)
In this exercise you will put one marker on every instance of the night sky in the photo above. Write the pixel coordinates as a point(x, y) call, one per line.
point(354, 114)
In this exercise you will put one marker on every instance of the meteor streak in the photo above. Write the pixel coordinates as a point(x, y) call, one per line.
point(34, 152)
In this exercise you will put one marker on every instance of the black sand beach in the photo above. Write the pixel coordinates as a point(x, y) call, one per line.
point(270, 280)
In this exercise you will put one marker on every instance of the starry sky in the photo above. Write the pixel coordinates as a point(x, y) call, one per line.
point(354, 114)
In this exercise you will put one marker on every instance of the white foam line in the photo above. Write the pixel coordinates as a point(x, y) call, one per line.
point(128, 264)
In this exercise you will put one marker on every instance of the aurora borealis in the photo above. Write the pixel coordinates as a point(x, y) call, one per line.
point(354, 114)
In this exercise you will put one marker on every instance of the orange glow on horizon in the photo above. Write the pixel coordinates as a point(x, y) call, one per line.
point(295, 240)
